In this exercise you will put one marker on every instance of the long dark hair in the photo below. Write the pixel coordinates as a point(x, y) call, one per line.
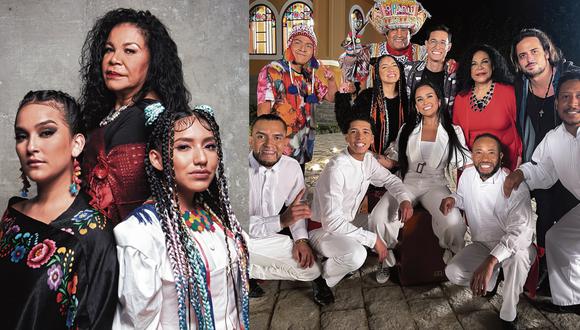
point(547, 44)
point(185, 258)
point(164, 76)
point(415, 119)
point(500, 71)
point(377, 102)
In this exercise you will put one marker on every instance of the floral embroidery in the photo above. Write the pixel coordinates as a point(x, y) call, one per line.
point(18, 254)
point(40, 253)
point(62, 280)
point(54, 278)
point(88, 219)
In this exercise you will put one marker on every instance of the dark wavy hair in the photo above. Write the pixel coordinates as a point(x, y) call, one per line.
point(500, 70)
point(554, 52)
point(378, 104)
point(414, 121)
point(57, 100)
point(185, 258)
point(164, 76)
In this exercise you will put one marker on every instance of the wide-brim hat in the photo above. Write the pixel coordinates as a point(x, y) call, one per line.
point(398, 14)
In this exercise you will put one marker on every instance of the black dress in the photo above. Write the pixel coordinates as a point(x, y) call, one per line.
point(60, 275)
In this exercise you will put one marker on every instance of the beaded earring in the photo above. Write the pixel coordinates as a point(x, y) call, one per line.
point(76, 181)
point(25, 184)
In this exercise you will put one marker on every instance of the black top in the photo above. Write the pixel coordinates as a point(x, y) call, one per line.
point(128, 127)
point(60, 275)
point(393, 131)
point(436, 78)
point(542, 123)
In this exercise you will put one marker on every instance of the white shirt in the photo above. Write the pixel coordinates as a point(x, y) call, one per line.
point(147, 294)
point(503, 224)
point(436, 161)
point(557, 157)
point(341, 188)
point(271, 189)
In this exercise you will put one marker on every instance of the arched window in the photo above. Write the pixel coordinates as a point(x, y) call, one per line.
point(296, 14)
point(262, 30)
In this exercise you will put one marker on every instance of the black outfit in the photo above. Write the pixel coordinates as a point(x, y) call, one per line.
point(436, 78)
point(60, 275)
point(114, 163)
point(361, 106)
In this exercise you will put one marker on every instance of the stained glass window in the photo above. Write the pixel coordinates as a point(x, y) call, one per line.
point(262, 30)
point(296, 14)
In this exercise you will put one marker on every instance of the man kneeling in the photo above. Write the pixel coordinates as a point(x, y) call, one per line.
point(339, 192)
point(501, 229)
point(276, 190)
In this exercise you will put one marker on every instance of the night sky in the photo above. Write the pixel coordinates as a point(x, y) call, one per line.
point(496, 22)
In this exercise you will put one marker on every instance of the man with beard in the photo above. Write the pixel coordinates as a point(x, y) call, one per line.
point(290, 89)
point(557, 157)
point(540, 65)
point(276, 192)
point(339, 233)
point(501, 229)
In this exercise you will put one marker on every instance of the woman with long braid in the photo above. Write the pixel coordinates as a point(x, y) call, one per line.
point(385, 102)
point(183, 261)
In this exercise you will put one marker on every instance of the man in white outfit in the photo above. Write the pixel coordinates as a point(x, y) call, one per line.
point(501, 229)
point(276, 190)
point(557, 157)
point(338, 194)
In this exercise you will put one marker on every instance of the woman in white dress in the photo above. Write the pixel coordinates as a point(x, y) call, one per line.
point(183, 261)
point(431, 144)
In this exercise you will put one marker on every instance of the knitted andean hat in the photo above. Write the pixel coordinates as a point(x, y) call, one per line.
point(398, 14)
point(307, 31)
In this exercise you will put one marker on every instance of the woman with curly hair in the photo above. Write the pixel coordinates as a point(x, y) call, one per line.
point(486, 101)
point(57, 254)
point(129, 63)
point(183, 261)
point(385, 102)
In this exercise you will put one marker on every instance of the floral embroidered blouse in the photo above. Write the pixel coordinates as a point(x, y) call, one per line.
point(60, 275)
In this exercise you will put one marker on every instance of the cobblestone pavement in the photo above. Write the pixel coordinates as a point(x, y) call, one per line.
point(362, 303)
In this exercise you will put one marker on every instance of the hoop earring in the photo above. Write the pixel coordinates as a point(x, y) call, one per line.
point(25, 184)
point(76, 181)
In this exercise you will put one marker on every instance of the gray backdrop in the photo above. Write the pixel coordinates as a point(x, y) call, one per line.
point(40, 45)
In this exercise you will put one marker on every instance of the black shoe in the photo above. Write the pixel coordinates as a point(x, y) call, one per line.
point(492, 293)
point(551, 308)
point(509, 325)
point(322, 293)
point(256, 290)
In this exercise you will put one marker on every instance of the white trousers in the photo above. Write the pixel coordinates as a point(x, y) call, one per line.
point(344, 254)
point(271, 259)
point(449, 229)
point(563, 257)
point(515, 271)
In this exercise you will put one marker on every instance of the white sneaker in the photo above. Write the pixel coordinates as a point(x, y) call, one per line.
point(383, 273)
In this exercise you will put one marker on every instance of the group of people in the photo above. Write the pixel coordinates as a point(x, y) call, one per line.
point(131, 226)
point(511, 138)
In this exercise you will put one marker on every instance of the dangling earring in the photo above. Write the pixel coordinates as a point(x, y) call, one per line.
point(25, 184)
point(75, 186)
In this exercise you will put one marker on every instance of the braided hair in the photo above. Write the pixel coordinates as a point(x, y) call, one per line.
point(186, 260)
point(378, 111)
